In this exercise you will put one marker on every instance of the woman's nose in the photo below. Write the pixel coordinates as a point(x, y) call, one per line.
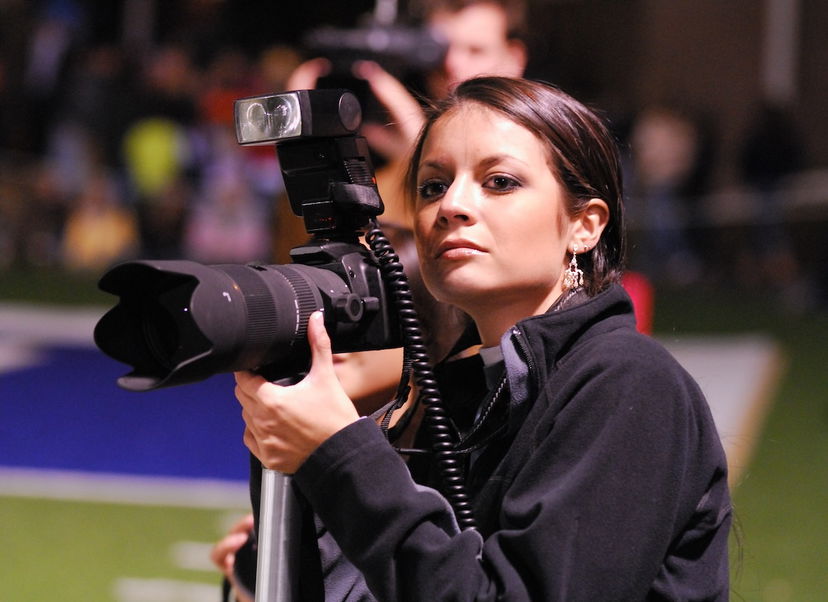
point(458, 203)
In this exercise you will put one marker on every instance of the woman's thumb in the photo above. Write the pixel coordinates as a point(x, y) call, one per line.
point(320, 342)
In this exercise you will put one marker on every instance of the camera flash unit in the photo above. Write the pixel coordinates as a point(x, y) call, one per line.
point(302, 113)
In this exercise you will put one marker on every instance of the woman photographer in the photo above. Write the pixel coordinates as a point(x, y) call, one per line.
point(593, 467)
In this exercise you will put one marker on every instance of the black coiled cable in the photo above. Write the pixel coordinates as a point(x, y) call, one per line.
point(437, 421)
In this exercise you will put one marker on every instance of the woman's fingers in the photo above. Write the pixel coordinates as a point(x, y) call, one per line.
point(285, 424)
point(320, 345)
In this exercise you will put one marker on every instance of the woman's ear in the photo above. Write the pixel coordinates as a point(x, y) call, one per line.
point(589, 224)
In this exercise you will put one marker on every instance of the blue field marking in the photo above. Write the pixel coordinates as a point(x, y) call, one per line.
point(60, 409)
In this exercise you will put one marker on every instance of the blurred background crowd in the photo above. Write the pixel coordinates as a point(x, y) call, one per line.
point(117, 140)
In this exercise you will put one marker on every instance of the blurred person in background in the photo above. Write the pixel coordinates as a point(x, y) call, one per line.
point(227, 222)
point(666, 147)
point(240, 191)
point(229, 217)
point(157, 148)
point(57, 32)
point(482, 37)
point(771, 152)
point(99, 230)
point(42, 234)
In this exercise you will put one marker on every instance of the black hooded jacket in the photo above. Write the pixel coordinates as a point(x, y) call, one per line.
point(606, 482)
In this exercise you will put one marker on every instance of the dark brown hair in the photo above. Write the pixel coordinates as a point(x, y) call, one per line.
point(582, 154)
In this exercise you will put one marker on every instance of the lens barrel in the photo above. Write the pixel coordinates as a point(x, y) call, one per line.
point(180, 321)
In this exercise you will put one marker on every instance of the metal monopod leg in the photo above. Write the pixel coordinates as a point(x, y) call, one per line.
point(277, 567)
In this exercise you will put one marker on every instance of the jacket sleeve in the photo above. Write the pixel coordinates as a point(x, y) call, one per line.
point(401, 535)
point(605, 491)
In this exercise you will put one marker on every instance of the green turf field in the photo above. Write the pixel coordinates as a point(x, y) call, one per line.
point(83, 551)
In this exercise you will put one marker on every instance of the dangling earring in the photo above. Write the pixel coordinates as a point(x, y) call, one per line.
point(573, 276)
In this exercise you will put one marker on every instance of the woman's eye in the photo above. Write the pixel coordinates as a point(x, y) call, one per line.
point(501, 183)
point(431, 189)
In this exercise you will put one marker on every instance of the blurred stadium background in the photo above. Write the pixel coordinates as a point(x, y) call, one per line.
point(107, 495)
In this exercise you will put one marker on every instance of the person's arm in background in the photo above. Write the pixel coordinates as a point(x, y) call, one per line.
point(223, 555)
point(392, 140)
point(307, 74)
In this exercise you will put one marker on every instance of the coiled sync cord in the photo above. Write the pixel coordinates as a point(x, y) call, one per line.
point(437, 421)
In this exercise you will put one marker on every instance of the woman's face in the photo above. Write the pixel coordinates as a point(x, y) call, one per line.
point(490, 222)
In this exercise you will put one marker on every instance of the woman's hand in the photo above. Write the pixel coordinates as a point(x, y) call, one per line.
point(286, 424)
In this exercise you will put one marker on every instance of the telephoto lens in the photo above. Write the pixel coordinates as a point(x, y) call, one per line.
point(179, 322)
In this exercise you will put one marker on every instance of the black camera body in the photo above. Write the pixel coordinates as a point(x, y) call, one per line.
point(398, 48)
point(179, 321)
point(408, 51)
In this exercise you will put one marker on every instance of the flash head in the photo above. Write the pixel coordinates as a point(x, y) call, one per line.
point(301, 113)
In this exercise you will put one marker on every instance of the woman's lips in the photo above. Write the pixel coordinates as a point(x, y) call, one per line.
point(457, 249)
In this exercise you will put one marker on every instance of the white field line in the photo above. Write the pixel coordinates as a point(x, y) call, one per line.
point(44, 324)
point(192, 556)
point(739, 375)
point(25, 328)
point(123, 489)
point(130, 589)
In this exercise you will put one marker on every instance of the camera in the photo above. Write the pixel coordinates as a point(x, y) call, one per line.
point(180, 321)
point(399, 49)
point(407, 49)
point(381, 37)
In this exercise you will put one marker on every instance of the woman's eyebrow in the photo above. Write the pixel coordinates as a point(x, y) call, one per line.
point(433, 166)
point(486, 162)
point(432, 163)
point(501, 158)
